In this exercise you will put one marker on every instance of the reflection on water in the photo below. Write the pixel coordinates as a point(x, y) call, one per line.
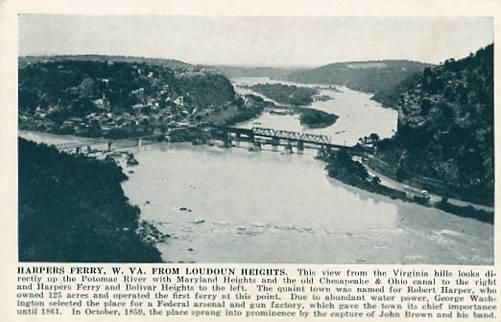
point(358, 115)
point(231, 205)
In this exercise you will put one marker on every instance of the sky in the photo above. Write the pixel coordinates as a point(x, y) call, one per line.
point(256, 41)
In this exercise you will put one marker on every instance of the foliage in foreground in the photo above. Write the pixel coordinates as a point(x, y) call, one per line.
point(72, 209)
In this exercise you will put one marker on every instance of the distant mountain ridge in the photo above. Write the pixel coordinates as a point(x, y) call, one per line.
point(248, 71)
point(367, 76)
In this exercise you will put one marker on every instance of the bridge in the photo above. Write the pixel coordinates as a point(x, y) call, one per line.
point(66, 146)
point(79, 147)
point(290, 135)
point(277, 135)
point(256, 135)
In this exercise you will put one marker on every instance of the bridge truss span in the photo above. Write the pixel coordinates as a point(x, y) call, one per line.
point(117, 144)
point(74, 144)
point(290, 135)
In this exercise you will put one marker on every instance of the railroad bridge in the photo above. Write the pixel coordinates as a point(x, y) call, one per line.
point(86, 147)
point(290, 135)
point(68, 146)
point(279, 137)
point(256, 135)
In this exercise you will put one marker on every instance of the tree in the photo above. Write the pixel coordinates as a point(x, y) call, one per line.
point(87, 87)
point(374, 137)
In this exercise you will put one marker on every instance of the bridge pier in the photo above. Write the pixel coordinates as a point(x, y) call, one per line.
point(275, 142)
point(237, 138)
point(288, 147)
point(300, 146)
point(109, 146)
point(275, 137)
point(323, 152)
point(255, 146)
point(227, 139)
point(77, 150)
point(254, 142)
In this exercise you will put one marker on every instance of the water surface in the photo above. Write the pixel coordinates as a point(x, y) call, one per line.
point(279, 208)
point(359, 116)
point(232, 205)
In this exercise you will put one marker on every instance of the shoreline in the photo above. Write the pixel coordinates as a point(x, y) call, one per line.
point(160, 237)
point(394, 194)
point(339, 169)
point(444, 205)
point(62, 216)
point(396, 212)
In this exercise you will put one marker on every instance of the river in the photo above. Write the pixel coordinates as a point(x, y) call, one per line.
point(232, 205)
point(359, 116)
point(282, 208)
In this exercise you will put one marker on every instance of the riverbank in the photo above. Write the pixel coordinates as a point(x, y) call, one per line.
point(236, 220)
point(355, 174)
point(342, 167)
point(123, 125)
point(73, 209)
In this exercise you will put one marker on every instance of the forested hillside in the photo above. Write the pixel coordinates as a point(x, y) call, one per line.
point(73, 209)
point(99, 96)
point(389, 97)
point(77, 87)
point(370, 76)
point(446, 126)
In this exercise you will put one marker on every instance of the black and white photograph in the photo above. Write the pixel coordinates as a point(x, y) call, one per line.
point(255, 139)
